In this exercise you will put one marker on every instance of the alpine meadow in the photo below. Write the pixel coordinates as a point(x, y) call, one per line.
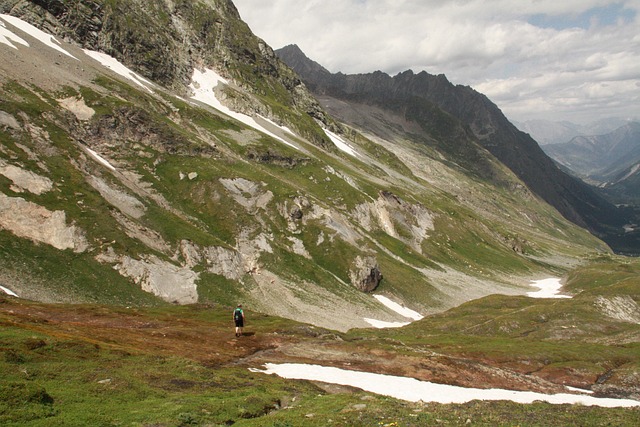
point(160, 165)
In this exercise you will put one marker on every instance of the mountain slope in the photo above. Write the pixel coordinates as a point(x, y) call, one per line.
point(165, 42)
point(123, 186)
point(576, 201)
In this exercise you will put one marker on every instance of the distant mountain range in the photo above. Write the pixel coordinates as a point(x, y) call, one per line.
point(553, 132)
point(610, 161)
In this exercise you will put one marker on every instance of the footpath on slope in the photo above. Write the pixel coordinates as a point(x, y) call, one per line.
point(206, 334)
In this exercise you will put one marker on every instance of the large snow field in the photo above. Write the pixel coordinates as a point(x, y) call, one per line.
point(413, 390)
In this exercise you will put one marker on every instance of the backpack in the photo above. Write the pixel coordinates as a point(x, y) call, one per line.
point(237, 314)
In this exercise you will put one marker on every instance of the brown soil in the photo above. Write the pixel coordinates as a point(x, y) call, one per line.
point(213, 343)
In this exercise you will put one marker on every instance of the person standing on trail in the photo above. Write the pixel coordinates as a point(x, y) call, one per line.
point(238, 318)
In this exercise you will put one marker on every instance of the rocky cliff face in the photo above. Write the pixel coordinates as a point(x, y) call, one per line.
point(438, 107)
point(165, 40)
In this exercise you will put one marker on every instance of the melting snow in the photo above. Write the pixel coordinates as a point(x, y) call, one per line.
point(100, 159)
point(8, 291)
point(381, 324)
point(7, 37)
point(413, 390)
point(400, 309)
point(117, 67)
point(340, 143)
point(549, 288)
point(45, 38)
point(203, 85)
point(284, 128)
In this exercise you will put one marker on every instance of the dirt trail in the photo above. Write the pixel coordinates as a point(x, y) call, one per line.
point(211, 341)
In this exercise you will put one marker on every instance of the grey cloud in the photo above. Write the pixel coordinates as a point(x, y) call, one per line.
point(487, 44)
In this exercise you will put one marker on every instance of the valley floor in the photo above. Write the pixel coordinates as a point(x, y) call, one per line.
point(37, 337)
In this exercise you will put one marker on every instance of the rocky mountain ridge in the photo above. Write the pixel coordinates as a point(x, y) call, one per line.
point(418, 97)
point(122, 189)
point(135, 215)
point(554, 132)
point(164, 42)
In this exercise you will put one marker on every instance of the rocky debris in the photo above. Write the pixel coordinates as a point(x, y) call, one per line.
point(191, 175)
point(78, 107)
point(25, 180)
point(7, 120)
point(149, 237)
point(269, 157)
point(248, 194)
point(296, 213)
point(165, 50)
point(232, 264)
point(134, 124)
point(163, 279)
point(31, 221)
point(461, 124)
point(622, 308)
point(410, 223)
point(216, 259)
point(298, 247)
point(334, 220)
point(125, 203)
point(365, 274)
point(309, 302)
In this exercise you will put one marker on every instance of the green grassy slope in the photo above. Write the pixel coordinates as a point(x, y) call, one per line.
point(100, 365)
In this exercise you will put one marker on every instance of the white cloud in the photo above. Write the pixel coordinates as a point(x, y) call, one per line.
point(534, 59)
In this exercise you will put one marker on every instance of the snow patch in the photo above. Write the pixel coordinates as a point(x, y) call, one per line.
point(340, 143)
point(548, 288)
point(413, 390)
point(8, 38)
point(34, 32)
point(117, 67)
point(381, 324)
point(8, 291)
point(203, 86)
point(398, 308)
point(578, 390)
point(100, 159)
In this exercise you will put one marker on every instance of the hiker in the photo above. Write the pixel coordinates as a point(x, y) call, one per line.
point(238, 318)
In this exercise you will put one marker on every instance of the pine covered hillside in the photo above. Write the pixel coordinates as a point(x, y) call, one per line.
point(158, 152)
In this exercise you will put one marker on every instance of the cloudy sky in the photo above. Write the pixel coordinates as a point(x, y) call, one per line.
point(576, 60)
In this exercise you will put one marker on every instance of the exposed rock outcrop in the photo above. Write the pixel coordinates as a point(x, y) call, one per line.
point(165, 280)
point(164, 41)
point(365, 274)
point(24, 180)
point(31, 221)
